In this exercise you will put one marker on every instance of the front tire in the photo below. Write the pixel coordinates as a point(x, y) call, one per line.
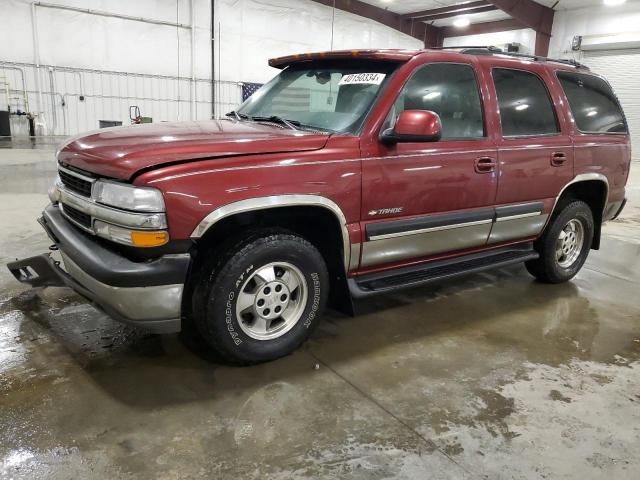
point(262, 299)
point(564, 245)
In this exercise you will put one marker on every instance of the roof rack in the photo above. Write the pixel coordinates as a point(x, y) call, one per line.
point(491, 50)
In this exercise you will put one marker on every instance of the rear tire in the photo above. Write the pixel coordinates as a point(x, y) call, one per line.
point(564, 245)
point(262, 299)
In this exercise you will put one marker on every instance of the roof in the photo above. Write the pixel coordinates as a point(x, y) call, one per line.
point(389, 55)
point(406, 55)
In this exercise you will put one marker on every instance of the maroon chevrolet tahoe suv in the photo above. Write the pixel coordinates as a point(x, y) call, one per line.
point(350, 174)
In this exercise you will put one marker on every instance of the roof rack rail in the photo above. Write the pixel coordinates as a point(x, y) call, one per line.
point(467, 47)
point(491, 50)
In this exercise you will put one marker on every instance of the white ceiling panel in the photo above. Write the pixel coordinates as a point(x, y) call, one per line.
point(571, 4)
point(475, 18)
point(409, 6)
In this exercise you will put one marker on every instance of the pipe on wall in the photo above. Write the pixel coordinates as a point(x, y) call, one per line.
point(54, 115)
point(102, 13)
point(24, 85)
point(63, 104)
point(36, 57)
point(213, 59)
point(193, 61)
point(110, 72)
point(118, 86)
point(80, 81)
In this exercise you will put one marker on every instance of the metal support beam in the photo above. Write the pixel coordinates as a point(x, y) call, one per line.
point(531, 15)
point(542, 44)
point(451, 11)
point(480, 28)
point(458, 8)
point(102, 13)
point(434, 37)
point(380, 15)
point(455, 13)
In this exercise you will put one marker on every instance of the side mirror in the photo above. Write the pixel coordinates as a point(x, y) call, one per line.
point(414, 126)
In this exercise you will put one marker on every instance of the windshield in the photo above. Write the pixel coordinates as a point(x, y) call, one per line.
point(332, 96)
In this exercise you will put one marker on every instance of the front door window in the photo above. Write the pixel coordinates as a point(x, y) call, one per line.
point(451, 91)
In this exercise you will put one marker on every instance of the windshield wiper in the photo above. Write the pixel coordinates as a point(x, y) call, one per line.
point(238, 116)
point(292, 124)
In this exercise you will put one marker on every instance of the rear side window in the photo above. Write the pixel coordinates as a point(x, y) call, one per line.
point(451, 91)
point(594, 106)
point(525, 106)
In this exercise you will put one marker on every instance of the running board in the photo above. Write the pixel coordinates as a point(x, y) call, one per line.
point(378, 283)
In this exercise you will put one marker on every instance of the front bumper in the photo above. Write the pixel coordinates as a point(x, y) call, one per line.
point(144, 294)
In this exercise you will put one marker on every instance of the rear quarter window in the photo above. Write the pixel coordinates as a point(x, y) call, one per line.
point(594, 106)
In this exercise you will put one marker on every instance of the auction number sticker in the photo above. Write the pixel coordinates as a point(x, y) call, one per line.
point(362, 79)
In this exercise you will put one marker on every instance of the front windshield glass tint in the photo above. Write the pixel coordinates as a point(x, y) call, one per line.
point(332, 96)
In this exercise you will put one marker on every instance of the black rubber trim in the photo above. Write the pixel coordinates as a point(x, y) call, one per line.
point(624, 204)
point(510, 211)
point(107, 266)
point(431, 221)
point(406, 277)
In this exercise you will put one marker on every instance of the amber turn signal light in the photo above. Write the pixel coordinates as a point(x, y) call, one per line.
point(149, 239)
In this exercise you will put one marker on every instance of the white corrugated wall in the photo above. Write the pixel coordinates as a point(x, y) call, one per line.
point(117, 62)
point(622, 69)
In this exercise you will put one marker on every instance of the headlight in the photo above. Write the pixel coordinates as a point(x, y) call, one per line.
point(128, 197)
point(135, 238)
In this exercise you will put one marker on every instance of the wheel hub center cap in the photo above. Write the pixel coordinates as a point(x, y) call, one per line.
point(272, 299)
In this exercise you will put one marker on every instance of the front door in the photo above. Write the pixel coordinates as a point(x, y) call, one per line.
point(424, 199)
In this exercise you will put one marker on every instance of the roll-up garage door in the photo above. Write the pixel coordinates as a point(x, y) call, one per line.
point(622, 69)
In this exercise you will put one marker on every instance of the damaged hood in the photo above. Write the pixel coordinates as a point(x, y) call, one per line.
point(121, 152)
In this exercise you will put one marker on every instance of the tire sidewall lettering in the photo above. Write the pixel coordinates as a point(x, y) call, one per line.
point(315, 303)
point(230, 306)
point(229, 317)
point(243, 275)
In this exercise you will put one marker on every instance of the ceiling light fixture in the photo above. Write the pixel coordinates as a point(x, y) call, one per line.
point(461, 22)
point(614, 3)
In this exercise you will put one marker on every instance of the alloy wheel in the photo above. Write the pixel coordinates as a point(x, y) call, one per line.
point(569, 244)
point(271, 301)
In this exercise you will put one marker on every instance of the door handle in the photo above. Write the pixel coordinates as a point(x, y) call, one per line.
point(485, 165)
point(558, 159)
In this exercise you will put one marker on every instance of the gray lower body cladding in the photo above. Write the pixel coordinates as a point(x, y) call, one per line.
point(399, 240)
point(144, 294)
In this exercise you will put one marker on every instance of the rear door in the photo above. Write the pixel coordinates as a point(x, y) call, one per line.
point(424, 199)
point(535, 150)
point(601, 140)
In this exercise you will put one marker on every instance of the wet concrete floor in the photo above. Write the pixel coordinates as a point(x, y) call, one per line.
point(492, 376)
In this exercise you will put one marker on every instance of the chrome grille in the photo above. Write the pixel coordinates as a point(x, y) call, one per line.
point(75, 183)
